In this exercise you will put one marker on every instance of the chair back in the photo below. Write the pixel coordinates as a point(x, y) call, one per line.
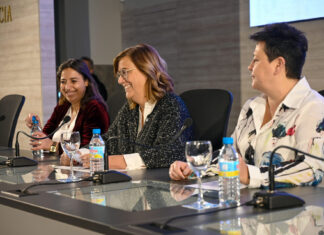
point(210, 110)
point(10, 107)
point(115, 101)
point(321, 92)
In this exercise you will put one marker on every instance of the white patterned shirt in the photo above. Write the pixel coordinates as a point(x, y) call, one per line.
point(298, 122)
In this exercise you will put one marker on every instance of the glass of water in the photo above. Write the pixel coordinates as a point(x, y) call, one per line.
point(198, 155)
point(70, 142)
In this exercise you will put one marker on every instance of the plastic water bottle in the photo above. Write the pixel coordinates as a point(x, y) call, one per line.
point(98, 196)
point(97, 151)
point(232, 226)
point(36, 128)
point(229, 180)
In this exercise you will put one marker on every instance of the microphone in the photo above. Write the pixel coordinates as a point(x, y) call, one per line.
point(25, 161)
point(187, 123)
point(66, 119)
point(107, 176)
point(274, 199)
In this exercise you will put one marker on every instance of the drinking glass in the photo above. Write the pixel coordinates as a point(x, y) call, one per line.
point(70, 142)
point(199, 154)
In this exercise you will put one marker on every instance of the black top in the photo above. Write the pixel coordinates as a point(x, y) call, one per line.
point(160, 127)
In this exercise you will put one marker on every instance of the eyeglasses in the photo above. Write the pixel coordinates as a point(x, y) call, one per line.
point(123, 73)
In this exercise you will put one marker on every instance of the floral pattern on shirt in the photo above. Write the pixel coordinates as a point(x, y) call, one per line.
point(298, 122)
point(276, 160)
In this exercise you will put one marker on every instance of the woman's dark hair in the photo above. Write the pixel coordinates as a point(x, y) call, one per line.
point(285, 41)
point(147, 60)
point(91, 92)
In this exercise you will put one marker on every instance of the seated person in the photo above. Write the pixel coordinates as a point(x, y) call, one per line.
point(80, 100)
point(146, 124)
point(288, 112)
point(101, 87)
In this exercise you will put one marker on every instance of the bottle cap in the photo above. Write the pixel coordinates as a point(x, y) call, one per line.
point(34, 120)
point(227, 140)
point(96, 131)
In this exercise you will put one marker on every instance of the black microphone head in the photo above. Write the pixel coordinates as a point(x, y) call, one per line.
point(66, 119)
point(188, 122)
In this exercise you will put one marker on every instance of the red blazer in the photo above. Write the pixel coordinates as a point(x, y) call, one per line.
point(93, 115)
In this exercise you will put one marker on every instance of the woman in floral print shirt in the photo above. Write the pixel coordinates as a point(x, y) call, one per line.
point(288, 112)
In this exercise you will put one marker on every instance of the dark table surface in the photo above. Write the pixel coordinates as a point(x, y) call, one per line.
point(137, 206)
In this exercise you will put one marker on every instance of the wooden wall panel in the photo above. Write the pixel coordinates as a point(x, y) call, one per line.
point(26, 65)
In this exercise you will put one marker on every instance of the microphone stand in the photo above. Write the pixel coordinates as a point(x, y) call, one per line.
point(187, 123)
point(108, 176)
point(19, 161)
point(275, 199)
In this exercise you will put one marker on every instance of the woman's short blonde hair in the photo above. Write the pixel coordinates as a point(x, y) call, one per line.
point(149, 62)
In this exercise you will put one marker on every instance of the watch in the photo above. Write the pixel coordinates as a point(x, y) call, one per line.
point(53, 147)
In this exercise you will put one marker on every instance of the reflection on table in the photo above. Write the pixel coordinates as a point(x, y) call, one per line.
point(36, 174)
point(302, 220)
point(130, 196)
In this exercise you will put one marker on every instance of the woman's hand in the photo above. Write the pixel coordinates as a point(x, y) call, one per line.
point(44, 144)
point(65, 160)
point(85, 159)
point(179, 170)
point(244, 171)
point(115, 161)
point(180, 192)
point(42, 172)
point(29, 118)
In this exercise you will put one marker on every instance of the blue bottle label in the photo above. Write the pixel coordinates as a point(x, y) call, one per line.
point(97, 151)
point(98, 198)
point(228, 169)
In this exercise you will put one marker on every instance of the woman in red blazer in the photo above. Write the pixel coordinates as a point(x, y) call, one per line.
point(80, 100)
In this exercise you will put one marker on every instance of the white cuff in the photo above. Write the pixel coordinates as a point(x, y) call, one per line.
point(133, 161)
point(255, 177)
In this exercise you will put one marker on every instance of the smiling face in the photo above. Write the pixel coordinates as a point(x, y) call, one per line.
point(134, 84)
point(72, 85)
point(262, 71)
